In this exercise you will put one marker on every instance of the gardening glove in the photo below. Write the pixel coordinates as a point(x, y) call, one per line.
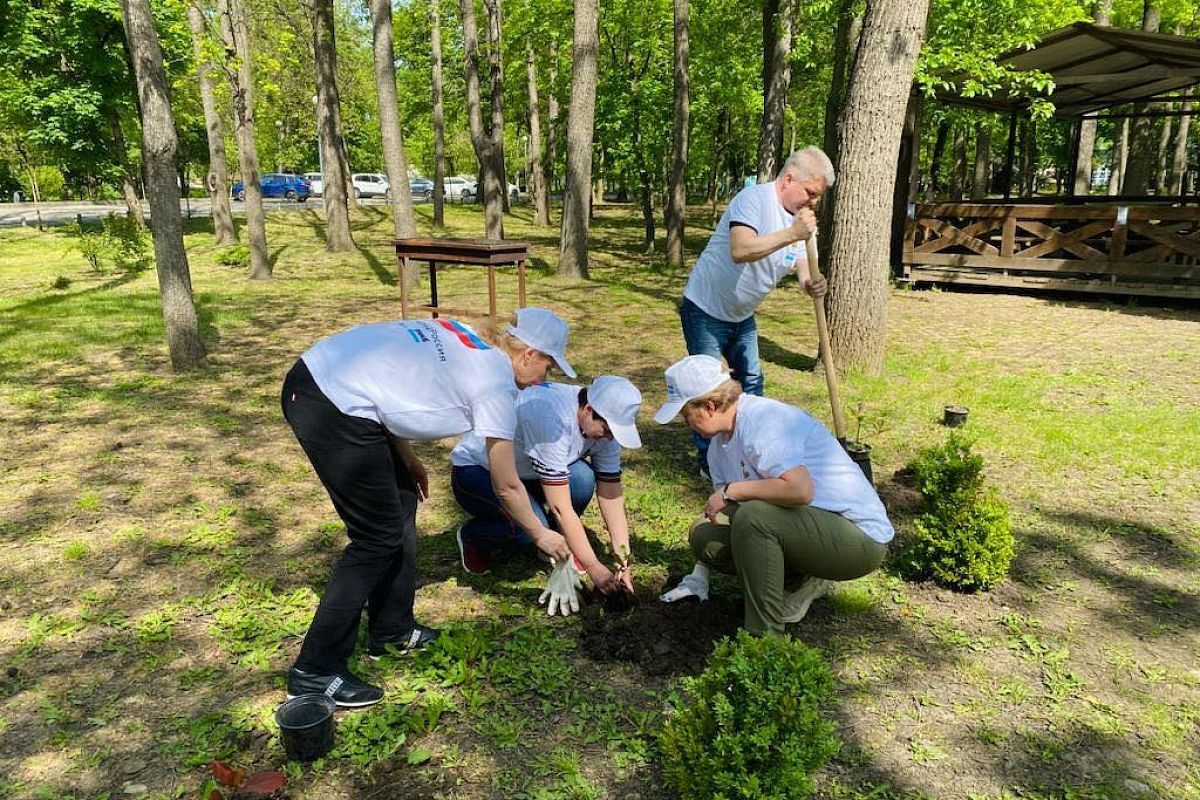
point(690, 586)
point(560, 595)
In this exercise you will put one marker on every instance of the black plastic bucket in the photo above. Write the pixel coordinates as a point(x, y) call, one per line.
point(861, 454)
point(306, 726)
point(954, 416)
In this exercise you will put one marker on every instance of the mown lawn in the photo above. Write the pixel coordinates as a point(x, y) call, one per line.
point(164, 540)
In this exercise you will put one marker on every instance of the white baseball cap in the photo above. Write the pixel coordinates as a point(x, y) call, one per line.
point(618, 401)
point(687, 379)
point(546, 332)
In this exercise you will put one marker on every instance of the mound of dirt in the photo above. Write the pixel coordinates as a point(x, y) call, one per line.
point(662, 639)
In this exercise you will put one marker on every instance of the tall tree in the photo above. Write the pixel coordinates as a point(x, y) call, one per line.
point(871, 124)
point(1163, 177)
point(235, 31)
point(217, 179)
point(128, 170)
point(439, 123)
point(1101, 14)
point(552, 117)
point(1139, 169)
point(983, 161)
point(495, 54)
point(1120, 158)
point(778, 19)
point(484, 141)
point(537, 177)
point(336, 179)
point(159, 146)
point(573, 247)
point(389, 123)
point(1179, 161)
point(677, 189)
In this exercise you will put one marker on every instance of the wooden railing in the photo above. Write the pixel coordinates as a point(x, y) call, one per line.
point(1137, 249)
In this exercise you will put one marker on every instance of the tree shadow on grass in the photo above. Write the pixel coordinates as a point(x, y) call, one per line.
point(780, 356)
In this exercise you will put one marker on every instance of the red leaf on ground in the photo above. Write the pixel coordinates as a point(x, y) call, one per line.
point(227, 775)
point(264, 782)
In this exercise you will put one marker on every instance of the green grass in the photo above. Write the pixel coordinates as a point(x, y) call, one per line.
point(165, 529)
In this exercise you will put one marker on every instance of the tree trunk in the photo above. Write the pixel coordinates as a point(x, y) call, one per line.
point(1087, 131)
point(439, 119)
point(573, 250)
point(775, 91)
point(499, 173)
point(129, 182)
point(389, 124)
point(552, 119)
point(645, 188)
point(1116, 175)
point(842, 56)
point(958, 175)
point(537, 178)
point(236, 34)
point(871, 124)
point(329, 120)
point(983, 161)
point(1029, 158)
point(217, 179)
point(677, 191)
point(1163, 178)
point(159, 147)
point(720, 137)
point(480, 139)
point(1139, 169)
point(934, 188)
point(1179, 163)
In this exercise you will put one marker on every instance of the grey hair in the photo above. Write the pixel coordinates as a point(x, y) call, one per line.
point(811, 162)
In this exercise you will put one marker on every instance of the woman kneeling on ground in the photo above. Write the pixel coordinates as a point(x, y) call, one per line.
point(356, 401)
point(790, 509)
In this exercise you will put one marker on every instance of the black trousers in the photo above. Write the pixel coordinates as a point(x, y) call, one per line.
point(376, 497)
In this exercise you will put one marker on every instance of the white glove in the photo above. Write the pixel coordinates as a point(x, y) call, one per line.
point(561, 590)
point(690, 586)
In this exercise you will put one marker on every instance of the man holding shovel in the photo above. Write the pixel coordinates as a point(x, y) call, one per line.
point(759, 239)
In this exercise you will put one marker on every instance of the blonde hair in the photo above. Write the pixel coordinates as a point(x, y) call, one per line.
point(721, 397)
point(494, 331)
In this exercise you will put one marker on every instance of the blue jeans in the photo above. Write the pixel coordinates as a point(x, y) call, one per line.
point(736, 342)
point(490, 527)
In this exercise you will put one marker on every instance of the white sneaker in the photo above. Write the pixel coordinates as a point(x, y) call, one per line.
point(796, 604)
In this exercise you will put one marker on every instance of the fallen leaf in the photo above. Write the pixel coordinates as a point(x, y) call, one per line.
point(264, 782)
point(227, 775)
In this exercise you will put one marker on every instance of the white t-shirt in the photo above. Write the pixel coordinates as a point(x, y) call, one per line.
point(730, 291)
point(548, 439)
point(420, 379)
point(770, 437)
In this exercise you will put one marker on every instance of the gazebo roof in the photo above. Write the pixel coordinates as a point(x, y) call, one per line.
point(1096, 67)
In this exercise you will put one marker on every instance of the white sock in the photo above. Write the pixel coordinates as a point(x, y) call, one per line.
point(700, 571)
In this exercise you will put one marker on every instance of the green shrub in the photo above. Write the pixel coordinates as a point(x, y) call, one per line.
point(236, 256)
point(963, 538)
point(751, 725)
point(92, 245)
point(132, 247)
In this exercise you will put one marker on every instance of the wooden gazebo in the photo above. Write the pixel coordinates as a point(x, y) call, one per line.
point(1136, 245)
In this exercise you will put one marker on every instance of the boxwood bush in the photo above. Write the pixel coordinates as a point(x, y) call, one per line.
point(752, 725)
point(963, 538)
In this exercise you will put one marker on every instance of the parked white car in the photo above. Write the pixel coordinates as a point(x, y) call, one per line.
point(458, 187)
point(318, 183)
point(370, 184)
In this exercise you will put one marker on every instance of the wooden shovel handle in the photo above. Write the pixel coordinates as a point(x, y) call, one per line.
point(814, 272)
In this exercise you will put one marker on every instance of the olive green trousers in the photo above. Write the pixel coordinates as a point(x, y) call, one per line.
point(772, 548)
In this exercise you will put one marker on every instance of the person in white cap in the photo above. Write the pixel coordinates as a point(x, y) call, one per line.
point(788, 506)
point(568, 447)
point(356, 401)
point(759, 239)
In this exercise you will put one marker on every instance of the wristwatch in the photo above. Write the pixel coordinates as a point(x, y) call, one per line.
point(725, 494)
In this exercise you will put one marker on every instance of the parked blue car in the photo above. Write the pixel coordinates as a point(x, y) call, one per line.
point(275, 184)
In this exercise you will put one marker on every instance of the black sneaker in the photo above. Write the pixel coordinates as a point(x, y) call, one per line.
point(349, 691)
point(410, 642)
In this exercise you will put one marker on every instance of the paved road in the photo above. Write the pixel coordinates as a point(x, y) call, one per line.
point(63, 213)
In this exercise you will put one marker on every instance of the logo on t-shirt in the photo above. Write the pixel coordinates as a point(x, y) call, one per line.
point(465, 335)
